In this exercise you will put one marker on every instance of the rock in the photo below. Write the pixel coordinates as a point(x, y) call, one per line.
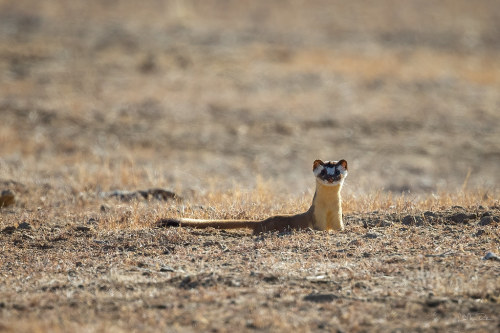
point(408, 220)
point(82, 228)
point(318, 278)
point(142, 264)
point(361, 285)
point(9, 230)
point(270, 278)
point(433, 302)
point(459, 217)
point(412, 220)
point(155, 193)
point(384, 223)
point(320, 298)
point(480, 232)
point(124, 195)
point(27, 236)
point(7, 198)
point(160, 194)
point(491, 256)
point(431, 217)
point(430, 214)
point(167, 269)
point(371, 235)
point(24, 225)
point(485, 220)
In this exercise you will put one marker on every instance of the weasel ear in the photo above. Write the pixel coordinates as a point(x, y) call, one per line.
point(343, 163)
point(317, 163)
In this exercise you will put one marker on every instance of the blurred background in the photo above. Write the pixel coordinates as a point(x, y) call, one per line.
point(211, 94)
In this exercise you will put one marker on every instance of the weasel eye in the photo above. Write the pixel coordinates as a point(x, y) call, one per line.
point(323, 172)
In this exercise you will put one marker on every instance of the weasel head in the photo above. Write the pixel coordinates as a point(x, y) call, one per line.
point(330, 173)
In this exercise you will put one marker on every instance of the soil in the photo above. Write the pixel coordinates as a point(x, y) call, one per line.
point(382, 274)
point(114, 114)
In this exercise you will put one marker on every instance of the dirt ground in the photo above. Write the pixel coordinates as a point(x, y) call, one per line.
point(385, 276)
point(226, 104)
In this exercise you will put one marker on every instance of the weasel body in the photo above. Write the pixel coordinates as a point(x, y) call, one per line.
point(325, 212)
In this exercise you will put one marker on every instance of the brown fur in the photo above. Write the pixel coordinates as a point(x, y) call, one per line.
point(325, 213)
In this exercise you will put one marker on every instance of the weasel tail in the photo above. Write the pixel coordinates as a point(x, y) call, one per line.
point(325, 212)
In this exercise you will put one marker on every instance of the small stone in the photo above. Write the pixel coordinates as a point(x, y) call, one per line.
point(480, 232)
point(318, 278)
point(361, 285)
point(142, 264)
point(24, 225)
point(9, 230)
point(161, 194)
point(433, 302)
point(459, 218)
point(412, 220)
point(384, 223)
point(270, 279)
point(485, 220)
point(320, 298)
point(167, 269)
point(7, 198)
point(155, 193)
point(104, 208)
point(408, 220)
point(82, 228)
point(430, 214)
point(491, 256)
point(371, 235)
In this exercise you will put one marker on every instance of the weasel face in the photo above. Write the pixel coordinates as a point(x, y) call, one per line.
point(330, 173)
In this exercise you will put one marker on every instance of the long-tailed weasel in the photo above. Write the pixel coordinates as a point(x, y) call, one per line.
point(325, 212)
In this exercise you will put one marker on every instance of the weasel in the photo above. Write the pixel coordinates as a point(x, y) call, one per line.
point(325, 212)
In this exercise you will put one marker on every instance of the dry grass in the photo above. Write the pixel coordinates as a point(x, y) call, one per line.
point(227, 104)
point(91, 263)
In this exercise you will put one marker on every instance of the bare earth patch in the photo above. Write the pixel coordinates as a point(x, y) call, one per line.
point(114, 114)
point(386, 272)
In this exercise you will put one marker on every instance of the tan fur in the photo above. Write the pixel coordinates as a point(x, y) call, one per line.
point(325, 213)
point(327, 208)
